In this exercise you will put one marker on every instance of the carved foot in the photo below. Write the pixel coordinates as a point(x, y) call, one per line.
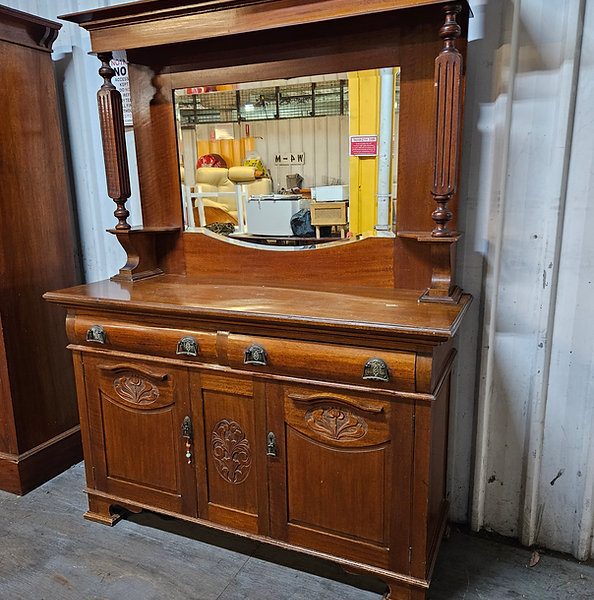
point(397, 591)
point(101, 511)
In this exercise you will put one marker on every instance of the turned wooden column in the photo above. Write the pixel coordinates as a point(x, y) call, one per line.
point(139, 242)
point(448, 124)
point(113, 134)
point(448, 86)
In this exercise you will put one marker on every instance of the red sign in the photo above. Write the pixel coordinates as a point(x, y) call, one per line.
point(364, 145)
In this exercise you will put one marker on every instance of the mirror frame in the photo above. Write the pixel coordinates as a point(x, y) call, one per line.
point(170, 46)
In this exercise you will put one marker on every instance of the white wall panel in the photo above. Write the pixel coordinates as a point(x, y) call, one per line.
point(567, 446)
point(324, 140)
point(533, 463)
point(522, 421)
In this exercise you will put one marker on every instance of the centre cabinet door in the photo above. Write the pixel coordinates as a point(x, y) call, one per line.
point(340, 482)
point(230, 415)
point(136, 412)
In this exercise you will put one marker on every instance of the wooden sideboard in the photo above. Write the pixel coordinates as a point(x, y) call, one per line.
point(39, 431)
point(278, 413)
point(296, 396)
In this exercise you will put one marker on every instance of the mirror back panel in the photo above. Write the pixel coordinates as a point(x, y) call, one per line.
point(409, 39)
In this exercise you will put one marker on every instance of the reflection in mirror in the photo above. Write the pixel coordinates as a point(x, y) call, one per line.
point(294, 162)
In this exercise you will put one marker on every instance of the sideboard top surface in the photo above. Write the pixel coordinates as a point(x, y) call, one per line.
point(386, 311)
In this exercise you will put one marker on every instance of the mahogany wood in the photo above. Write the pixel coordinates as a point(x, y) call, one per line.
point(443, 259)
point(448, 87)
point(111, 119)
point(356, 43)
point(27, 30)
point(309, 409)
point(366, 262)
point(328, 314)
point(135, 418)
point(333, 363)
point(157, 159)
point(140, 247)
point(367, 448)
point(147, 24)
point(39, 433)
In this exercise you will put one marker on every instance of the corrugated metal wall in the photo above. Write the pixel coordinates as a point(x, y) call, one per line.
point(528, 170)
point(521, 456)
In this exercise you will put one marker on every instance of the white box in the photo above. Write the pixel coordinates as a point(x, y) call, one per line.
point(271, 215)
point(330, 193)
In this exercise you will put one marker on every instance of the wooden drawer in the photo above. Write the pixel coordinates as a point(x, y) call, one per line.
point(142, 339)
point(323, 362)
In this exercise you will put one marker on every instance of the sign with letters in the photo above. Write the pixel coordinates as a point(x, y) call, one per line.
point(289, 158)
point(364, 145)
point(120, 65)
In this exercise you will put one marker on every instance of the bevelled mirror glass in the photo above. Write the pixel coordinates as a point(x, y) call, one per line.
point(295, 162)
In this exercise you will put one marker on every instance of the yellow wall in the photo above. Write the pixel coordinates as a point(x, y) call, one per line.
point(364, 101)
point(364, 107)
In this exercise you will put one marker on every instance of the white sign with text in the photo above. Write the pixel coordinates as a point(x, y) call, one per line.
point(291, 158)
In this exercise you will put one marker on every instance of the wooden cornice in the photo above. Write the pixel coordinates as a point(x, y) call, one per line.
point(134, 25)
point(28, 30)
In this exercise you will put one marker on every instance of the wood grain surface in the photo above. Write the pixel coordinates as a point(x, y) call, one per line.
point(369, 311)
point(37, 253)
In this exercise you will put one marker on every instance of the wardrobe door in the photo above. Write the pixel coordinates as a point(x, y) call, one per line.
point(230, 415)
point(340, 480)
point(139, 413)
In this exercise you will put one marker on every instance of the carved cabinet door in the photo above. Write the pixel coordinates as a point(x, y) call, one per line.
point(340, 482)
point(231, 472)
point(137, 411)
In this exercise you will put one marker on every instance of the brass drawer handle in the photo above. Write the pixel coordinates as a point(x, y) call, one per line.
point(96, 334)
point(255, 355)
point(187, 346)
point(376, 369)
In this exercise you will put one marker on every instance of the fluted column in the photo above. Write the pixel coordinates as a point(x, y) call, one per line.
point(111, 118)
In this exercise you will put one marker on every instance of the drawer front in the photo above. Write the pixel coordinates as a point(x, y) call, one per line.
point(324, 362)
point(184, 344)
point(275, 356)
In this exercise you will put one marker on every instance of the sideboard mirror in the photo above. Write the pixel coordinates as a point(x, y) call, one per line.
point(290, 162)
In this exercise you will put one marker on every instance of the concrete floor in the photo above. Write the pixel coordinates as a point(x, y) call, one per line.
point(49, 552)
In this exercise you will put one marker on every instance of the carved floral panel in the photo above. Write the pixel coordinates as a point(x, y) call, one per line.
point(336, 423)
point(135, 389)
point(231, 451)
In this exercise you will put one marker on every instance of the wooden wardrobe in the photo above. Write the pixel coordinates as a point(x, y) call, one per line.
point(39, 430)
point(297, 397)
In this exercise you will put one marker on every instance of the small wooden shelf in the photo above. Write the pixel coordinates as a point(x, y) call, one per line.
point(426, 236)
